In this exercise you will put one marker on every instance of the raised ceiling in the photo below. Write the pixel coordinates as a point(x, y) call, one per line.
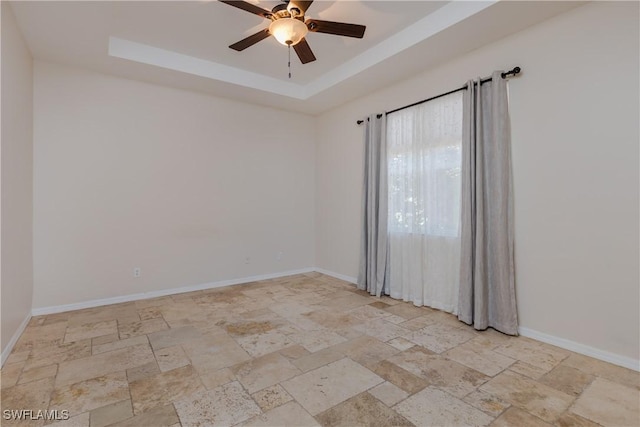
point(185, 44)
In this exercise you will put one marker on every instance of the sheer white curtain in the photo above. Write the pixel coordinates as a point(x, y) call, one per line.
point(424, 159)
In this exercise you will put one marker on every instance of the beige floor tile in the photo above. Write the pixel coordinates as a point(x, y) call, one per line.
point(320, 358)
point(333, 320)
point(160, 389)
point(289, 308)
point(566, 379)
point(264, 371)
point(294, 352)
point(445, 374)
point(81, 420)
point(38, 373)
point(35, 337)
point(265, 343)
point(34, 395)
point(251, 327)
point(161, 416)
point(348, 333)
point(90, 330)
point(213, 379)
point(171, 337)
point(529, 371)
point(388, 393)
point(17, 356)
point(226, 405)
point(368, 351)
point(58, 353)
point(408, 311)
point(149, 313)
point(214, 352)
point(533, 352)
point(104, 339)
point(400, 377)
point(479, 358)
point(489, 339)
point(90, 394)
point(418, 322)
point(538, 399)
point(346, 302)
point(338, 350)
point(439, 337)
point(380, 305)
point(111, 414)
point(142, 327)
point(153, 302)
point(118, 344)
point(322, 388)
point(169, 358)
point(518, 417)
point(486, 402)
point(608, 403)
point(605, 370)
point(142, 371)
point(289, 414)
point(271, 397)
point(10, 374)
point(569, 419)
point(120, 312)
point(433, 407)
point(362, 410)
point(86, 368)
point(367, 313)
point(382, 330)
point(414, 359)
point(400, 343)
point(55, 317)
point(179, 310)
point(317, 340)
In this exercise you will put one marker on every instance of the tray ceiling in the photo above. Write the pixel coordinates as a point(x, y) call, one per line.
point(185, 43)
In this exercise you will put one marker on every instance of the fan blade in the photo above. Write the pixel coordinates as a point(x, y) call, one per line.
point(304, 52)
point(302, 5)
point(251, 40)
point(337, 28)
point(248, 7)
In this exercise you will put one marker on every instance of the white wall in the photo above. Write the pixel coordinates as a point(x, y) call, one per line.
point(16, 274)
point(575, 136)
point(182, 185)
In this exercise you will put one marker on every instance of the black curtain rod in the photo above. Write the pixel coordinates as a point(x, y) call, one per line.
point(515, 71)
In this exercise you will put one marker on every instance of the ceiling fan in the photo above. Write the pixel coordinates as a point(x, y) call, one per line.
point(289, 27)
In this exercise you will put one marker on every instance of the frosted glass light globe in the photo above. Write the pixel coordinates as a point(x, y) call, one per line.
point(288, 31)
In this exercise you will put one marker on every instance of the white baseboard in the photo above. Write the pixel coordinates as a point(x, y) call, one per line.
point(154, 294)
point(337, 275)
point(14, 339)
point(576, 347)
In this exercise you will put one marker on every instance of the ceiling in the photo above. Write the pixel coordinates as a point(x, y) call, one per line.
point(184, 44)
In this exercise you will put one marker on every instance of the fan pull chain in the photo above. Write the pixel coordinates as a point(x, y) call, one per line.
point(289, 64)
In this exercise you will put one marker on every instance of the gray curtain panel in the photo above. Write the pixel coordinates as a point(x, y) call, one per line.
point(487, 283)
point(374, 255)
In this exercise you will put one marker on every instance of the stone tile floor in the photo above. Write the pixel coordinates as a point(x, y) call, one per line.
point(301, 350)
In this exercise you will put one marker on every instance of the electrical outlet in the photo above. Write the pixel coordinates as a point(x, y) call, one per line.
point(137, 272)
point(279, 256)
point(247, 260)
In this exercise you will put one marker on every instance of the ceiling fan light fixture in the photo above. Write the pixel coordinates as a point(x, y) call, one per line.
point(288, 31)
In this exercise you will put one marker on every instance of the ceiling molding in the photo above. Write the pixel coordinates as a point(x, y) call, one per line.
point(150, 55)
point(428, 26)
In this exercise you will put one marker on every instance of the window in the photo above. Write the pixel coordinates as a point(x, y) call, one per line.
point(424, 159)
